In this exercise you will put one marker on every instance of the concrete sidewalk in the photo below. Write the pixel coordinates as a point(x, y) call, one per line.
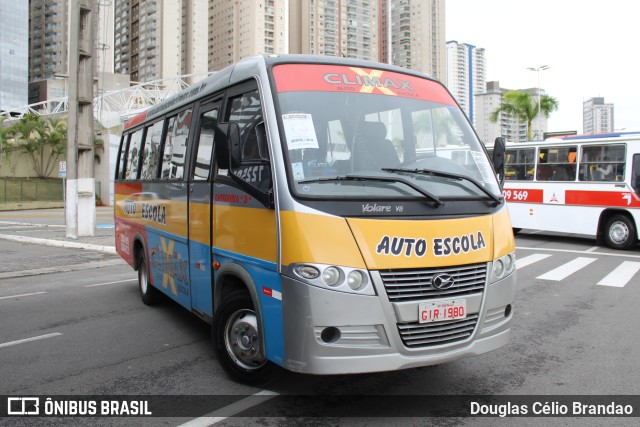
point(46, 227)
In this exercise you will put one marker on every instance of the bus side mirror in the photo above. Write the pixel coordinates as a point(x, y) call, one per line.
point(261, 136)
point(234, 146)
point(498, 158)
point(220, 143)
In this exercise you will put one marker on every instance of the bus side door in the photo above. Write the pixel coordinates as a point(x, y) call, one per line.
point(200, 206)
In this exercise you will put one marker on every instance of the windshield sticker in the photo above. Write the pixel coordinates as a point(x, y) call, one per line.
point(440, 246)
point(483, 165)
point(341, 78)
point(300, 131)
point(298, 171)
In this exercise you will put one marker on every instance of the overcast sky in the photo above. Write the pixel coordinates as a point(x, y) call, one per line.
point(592, 47)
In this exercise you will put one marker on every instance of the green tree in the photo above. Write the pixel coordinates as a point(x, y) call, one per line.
point(43, 140)
point(4, 143)
point(524, 107)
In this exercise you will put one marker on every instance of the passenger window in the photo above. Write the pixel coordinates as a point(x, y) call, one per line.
point(133, 155)
point(519, 164)
point(337, 144)
point(175, 147)
point(602, 163)
point(151, 151)
point(635, 173)
point(554, 164)
point(123, 156)
point(245, 110)
point(202, 169)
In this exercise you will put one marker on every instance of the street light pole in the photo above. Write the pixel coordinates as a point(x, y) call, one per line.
point(538, 69)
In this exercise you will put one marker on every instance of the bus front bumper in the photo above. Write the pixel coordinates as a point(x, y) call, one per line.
point(329, 332)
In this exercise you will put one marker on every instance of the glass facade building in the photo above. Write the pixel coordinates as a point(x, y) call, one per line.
point(14, 54)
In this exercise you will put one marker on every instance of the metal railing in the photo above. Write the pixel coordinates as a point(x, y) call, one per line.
point(36, 190)
point(30, 190)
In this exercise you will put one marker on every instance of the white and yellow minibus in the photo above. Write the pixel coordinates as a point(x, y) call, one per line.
point(310, 209)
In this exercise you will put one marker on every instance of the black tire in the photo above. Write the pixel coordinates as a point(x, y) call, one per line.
point(149, 294)
point(236, 339)
point(620, 232)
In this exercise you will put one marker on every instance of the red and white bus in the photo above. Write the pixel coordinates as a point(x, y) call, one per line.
point(587, 185)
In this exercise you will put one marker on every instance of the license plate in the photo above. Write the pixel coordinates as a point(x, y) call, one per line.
point(442, 310)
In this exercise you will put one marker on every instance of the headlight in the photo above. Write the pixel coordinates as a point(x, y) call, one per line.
point(356, 280)
point(503, 266)
point(509, 262)
point(498, 267)
point(337, 278)
point(331, 276)
point(307, 271)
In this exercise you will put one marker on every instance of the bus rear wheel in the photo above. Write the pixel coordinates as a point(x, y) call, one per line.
point(237, 341)
point(149, 294)
point(620, 232)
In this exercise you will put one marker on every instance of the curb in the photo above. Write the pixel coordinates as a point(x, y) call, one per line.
point(60, 243)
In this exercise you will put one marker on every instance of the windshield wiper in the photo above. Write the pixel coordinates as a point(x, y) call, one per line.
point(436, 200)
point(430, 172)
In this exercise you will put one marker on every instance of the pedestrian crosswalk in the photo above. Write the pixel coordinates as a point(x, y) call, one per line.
point(617, 274)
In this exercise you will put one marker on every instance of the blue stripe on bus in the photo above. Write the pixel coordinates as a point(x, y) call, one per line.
point(269, 289)
point(169, 262)
point(171, 236)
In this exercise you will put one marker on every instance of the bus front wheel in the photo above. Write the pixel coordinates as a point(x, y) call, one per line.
point(237, 341)
point(620, 233)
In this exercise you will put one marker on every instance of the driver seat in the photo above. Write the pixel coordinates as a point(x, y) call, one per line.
point(371, 150)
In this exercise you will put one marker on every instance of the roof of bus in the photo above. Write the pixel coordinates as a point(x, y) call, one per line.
point(250, 67)
point(599, 137)
point(596, 136)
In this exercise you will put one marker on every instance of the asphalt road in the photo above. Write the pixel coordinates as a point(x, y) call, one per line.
point(88, 333)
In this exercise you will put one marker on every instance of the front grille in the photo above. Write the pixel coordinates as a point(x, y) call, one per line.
point(436, 333)
point(415, 284)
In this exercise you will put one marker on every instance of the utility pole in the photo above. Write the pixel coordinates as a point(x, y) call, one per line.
point(80, 204)
point(538, 69)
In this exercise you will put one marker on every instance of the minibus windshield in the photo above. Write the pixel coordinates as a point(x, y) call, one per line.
point(397, 123)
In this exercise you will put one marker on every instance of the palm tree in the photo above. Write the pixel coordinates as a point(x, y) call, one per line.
point(36, 137)
point(524, 107)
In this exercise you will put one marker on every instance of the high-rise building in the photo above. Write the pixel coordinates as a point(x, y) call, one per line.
point(49, 39)
point(157, 39)
point(242, 28)
point(335, 28)
point(14, 65)
point(466, 75)
point(597, 116)
point(48, 46)
point(413, 35)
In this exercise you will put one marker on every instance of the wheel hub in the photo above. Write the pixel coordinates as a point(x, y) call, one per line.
point(241, 339)
point(619, 232)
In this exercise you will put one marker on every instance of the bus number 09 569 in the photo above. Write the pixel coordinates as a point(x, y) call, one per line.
point(521, 195)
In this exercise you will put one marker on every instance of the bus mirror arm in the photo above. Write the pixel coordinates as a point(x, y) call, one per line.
point(498, 158)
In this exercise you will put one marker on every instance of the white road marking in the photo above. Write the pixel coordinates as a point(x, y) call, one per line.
point(40, 337)
point(567, 269)
point(110, 283)
point(528, 260)
point(621, 275)
point(22, 295)
point(62, 269)
point(230, 410)
point(617, 254)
